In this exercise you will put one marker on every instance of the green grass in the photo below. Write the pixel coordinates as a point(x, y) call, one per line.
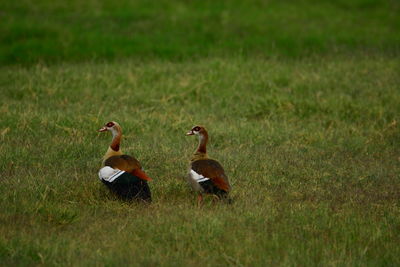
point(310, 146)
point(48, 31)
point(301, 100)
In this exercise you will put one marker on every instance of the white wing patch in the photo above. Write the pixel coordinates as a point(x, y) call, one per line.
point(109, 174)
point(198, 177)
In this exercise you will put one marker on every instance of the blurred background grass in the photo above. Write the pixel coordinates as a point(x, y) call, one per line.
point(48, 31)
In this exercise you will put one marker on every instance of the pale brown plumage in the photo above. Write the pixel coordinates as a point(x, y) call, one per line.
point(206, 175)
point(114, 156)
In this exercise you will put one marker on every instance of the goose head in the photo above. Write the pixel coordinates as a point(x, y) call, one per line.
point(197, 130)
point(112, 127)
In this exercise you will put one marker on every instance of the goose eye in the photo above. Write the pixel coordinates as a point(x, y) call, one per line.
point(197, 128)
point(110, 124)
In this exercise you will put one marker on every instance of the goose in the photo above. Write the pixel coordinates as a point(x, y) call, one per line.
point(206, 175)
point(122, 173)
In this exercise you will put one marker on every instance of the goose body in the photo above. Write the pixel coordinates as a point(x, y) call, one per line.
point(131, 181)
point(206, 176)
point(124, 184)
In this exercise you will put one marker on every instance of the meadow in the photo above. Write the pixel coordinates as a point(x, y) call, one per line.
point(306, 124)
point(103, 30)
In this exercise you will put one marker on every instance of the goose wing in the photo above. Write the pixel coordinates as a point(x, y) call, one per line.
point(127, 163)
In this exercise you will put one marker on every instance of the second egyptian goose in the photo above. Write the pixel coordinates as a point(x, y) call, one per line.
point(122, 173)
point(206, 175)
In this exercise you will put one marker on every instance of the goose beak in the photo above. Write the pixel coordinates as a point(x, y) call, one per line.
point(102, 129)
point(189, 133)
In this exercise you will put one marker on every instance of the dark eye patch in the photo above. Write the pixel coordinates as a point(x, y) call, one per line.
point(110, 124)
point(197, 128)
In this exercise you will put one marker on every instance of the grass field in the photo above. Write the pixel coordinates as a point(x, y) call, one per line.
point(48, 31)
point(305, 123)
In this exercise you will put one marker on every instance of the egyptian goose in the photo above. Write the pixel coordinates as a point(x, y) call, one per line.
point(206, 175)
point(121, 173)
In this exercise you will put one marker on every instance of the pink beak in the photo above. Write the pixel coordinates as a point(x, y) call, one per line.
point(190, 133)
point(103, 129)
